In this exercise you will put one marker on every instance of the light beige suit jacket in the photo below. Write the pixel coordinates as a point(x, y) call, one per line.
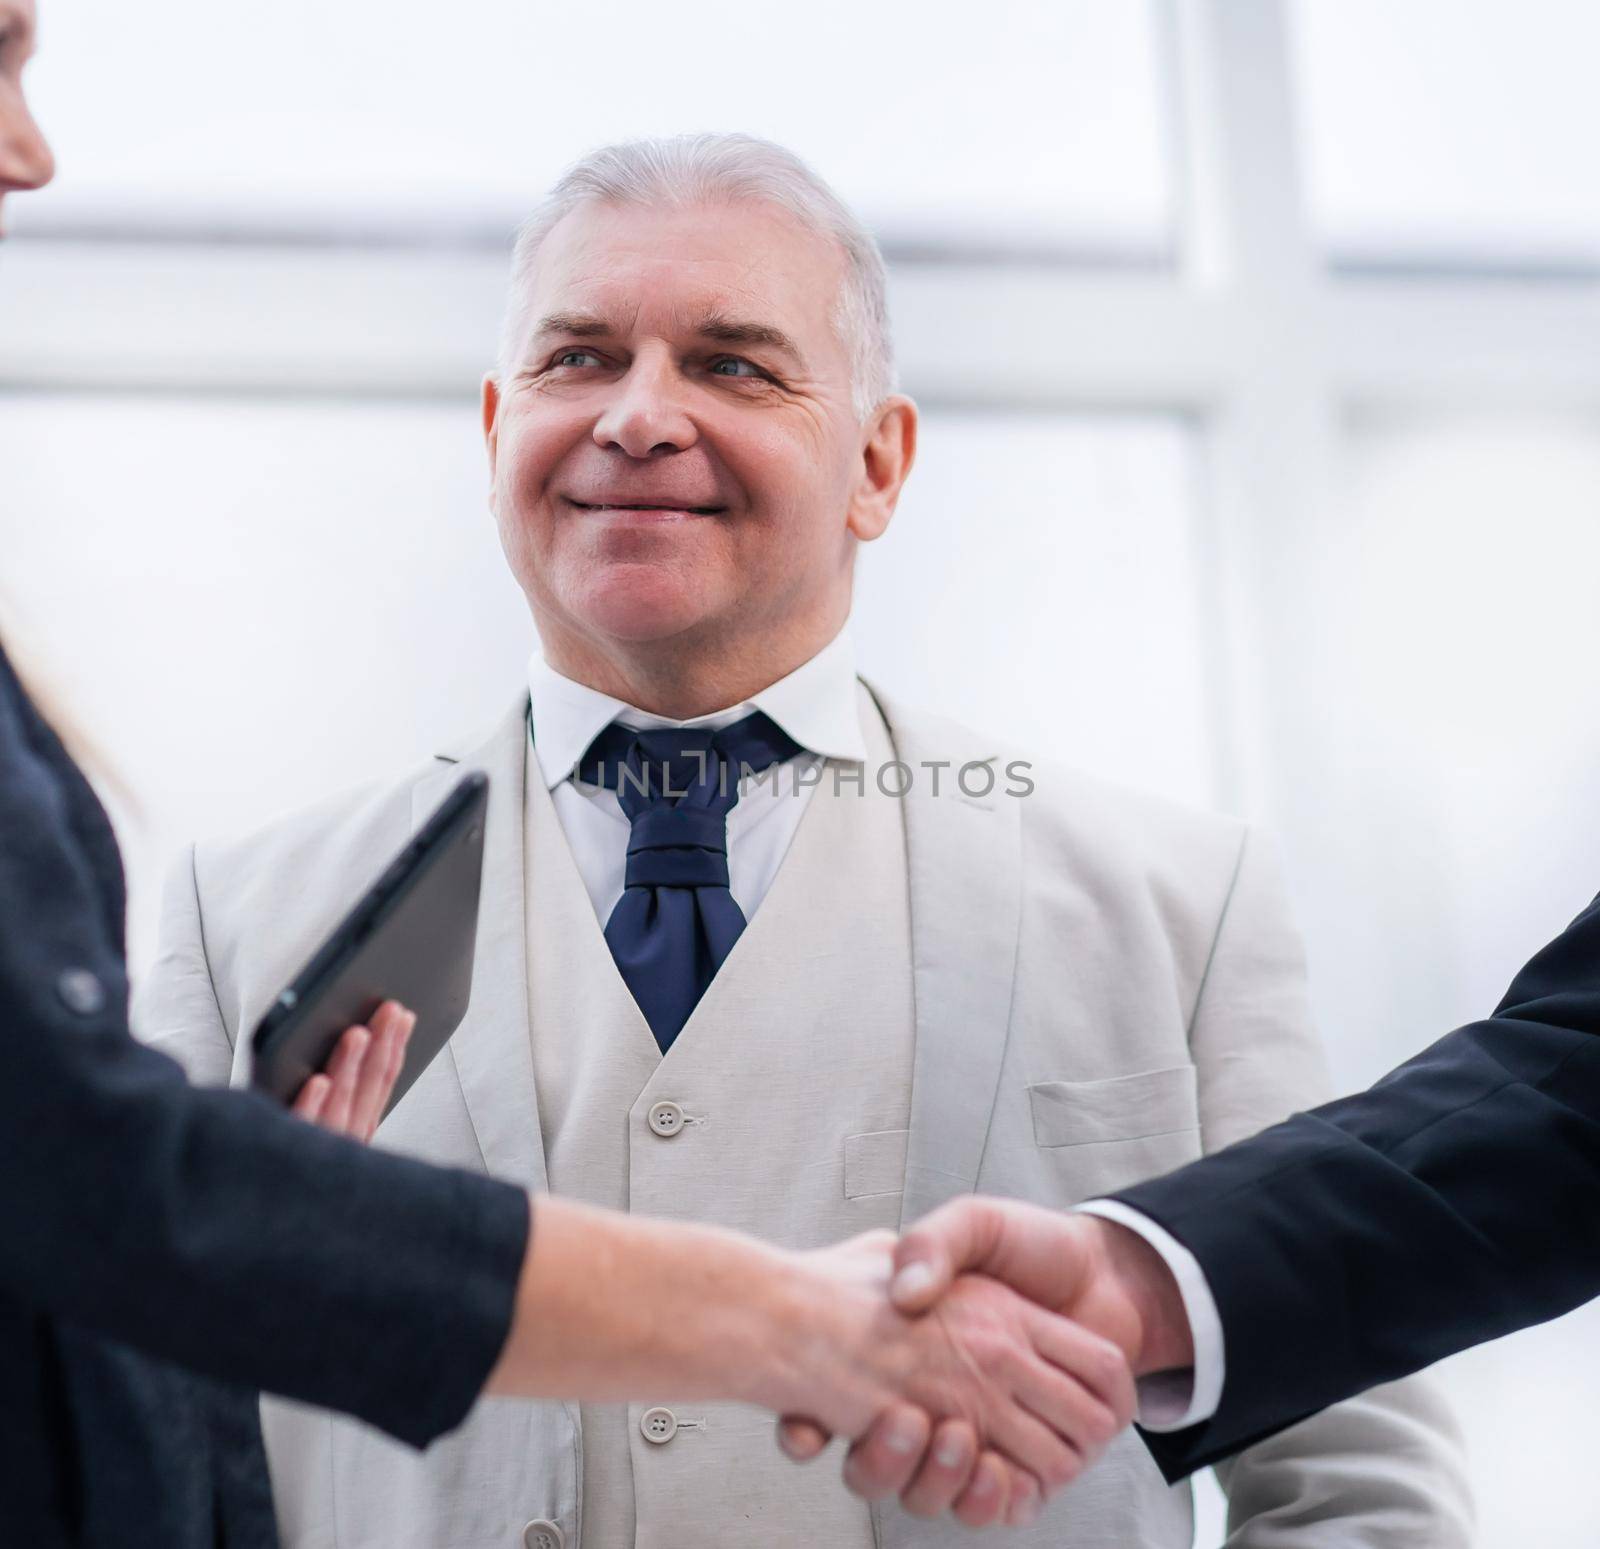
point(1105, 987)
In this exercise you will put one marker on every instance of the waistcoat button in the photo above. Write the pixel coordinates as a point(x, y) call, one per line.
point(658, 1426)
point(543, 1535)
point(666, 1119)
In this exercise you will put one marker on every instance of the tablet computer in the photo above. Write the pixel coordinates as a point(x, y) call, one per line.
point(411, 938)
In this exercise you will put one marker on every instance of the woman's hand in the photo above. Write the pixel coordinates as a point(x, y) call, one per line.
point(349, 1096)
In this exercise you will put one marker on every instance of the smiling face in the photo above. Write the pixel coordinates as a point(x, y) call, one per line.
point(24, 157)
point(678, 473)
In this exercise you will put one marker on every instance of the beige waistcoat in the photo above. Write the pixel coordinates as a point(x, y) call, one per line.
point(794, 1080)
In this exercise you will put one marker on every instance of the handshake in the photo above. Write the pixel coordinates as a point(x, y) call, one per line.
point(994, 1347)
point(977, 1365)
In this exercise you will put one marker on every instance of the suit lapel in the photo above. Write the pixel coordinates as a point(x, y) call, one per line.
point(491, 1049)
point(965, 876)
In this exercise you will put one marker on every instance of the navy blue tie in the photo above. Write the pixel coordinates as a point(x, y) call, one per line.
point(676, 921)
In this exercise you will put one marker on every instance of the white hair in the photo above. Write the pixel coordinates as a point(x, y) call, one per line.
point(694, 169)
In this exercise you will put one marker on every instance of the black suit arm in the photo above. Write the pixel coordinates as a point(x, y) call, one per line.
point(210, 1228)
point(1455, 1201)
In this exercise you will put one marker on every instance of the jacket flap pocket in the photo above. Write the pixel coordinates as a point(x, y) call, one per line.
point(875, 1163)
point(1152, 1102)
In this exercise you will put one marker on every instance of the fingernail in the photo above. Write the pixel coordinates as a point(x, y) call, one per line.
point(983, 1486)
point(948, 1454)
point(1028, 1511)
point(902, 1437)
point(912, 1282)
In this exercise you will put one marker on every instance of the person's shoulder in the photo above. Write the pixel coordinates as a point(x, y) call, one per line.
point(303, 869)
point(1146, 824)
point(335, 846)
point(356, 815)
point(1072, 819)
point(1052, 791)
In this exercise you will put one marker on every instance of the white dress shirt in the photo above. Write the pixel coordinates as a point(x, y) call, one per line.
point(816, 705)
point(1170, 1401)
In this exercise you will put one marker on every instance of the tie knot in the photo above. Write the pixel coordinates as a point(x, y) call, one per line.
point(683, 766)
point(662, 765)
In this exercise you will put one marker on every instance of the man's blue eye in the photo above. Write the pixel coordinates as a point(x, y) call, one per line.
point(567, 356)
point(733, 360)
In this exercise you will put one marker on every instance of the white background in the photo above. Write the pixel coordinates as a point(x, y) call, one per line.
point(1261, 465)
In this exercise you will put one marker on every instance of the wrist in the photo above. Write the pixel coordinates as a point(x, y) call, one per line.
point(744, 1336)
point(1160, 1338)
point(776, 1328)
point(822, 1345)
point(612, 1307)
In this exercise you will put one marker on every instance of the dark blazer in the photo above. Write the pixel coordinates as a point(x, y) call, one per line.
point(1455, 1201)
point(166, 1251)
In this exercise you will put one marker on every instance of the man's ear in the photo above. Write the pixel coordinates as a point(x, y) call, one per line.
point(887, 453)
point(491, 421)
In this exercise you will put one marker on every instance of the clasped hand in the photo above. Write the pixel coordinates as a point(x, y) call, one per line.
point(997, 1344)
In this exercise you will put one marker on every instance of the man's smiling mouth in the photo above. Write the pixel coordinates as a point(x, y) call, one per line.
point(662, 507)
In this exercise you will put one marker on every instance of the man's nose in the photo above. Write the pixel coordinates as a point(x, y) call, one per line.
point(25, 159)
point(647, 414)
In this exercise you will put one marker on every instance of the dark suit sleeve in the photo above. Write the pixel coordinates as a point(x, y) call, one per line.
point(1457, 1200)
point(210, 1228)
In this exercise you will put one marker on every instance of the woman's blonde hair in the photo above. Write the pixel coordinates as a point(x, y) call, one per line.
point(51, 704)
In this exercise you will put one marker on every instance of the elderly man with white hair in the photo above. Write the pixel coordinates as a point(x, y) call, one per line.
point(760, 945)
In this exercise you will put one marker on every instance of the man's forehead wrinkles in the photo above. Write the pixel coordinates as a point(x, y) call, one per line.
point(700, 318)
point(636, 282)
point(587, 321)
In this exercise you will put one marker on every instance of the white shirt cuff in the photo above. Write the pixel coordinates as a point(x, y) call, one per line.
point(1170, 1401)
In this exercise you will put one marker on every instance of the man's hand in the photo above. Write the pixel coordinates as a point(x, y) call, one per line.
point(1086, 1268)
point(1102, 1276)
point(987, 1403)
point(349, 1096)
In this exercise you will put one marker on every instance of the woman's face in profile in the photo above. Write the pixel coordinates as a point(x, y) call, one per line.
point(24, 157)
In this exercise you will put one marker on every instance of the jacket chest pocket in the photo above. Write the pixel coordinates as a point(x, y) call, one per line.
point(1108, 1134)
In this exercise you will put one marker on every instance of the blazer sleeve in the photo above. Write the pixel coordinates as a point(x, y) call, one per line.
point(210, 1228)
point(1385, 1469)
point(1453, 1202)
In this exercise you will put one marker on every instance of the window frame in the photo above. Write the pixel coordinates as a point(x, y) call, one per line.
point(1252, 333)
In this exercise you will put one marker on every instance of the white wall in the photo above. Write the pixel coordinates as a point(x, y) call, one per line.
point(256, 600)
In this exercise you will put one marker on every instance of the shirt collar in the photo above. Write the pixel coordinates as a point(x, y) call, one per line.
point(815, 704)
